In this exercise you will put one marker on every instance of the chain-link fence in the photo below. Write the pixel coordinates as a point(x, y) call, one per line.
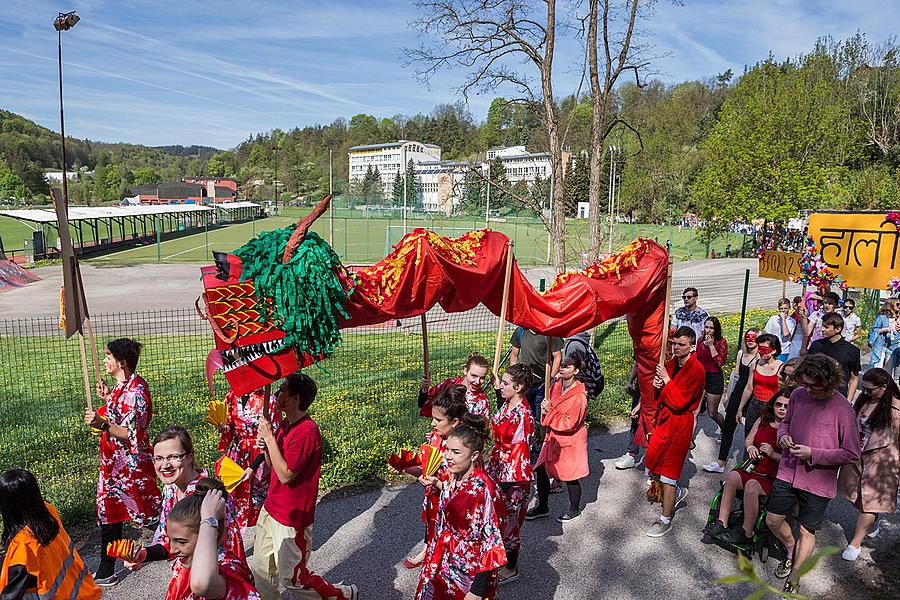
point(366, 405)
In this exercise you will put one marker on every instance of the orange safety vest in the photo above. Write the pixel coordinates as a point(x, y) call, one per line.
point(59, 570)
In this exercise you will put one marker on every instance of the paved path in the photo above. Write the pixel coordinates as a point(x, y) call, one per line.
point(604, 554)
point(153, 287)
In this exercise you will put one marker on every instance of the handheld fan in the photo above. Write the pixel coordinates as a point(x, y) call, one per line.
point(405, 460)
point(229, 472)
point(218, 413)
point(123, 549)
point(655, 492)
point(430, 458)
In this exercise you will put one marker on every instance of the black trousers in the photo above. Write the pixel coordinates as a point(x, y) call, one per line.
point(543, 490)
point(108, 533)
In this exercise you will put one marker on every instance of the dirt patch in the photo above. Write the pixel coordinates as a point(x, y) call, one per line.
point(876, 580)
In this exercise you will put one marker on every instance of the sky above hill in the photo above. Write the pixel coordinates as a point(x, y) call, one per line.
point(216, 71)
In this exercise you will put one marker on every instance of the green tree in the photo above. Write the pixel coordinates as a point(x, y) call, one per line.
point(577, 183)
point(472, 201)
point(11, 185)
point(498, 184)
point(145, 175)
point(220, 165)
point(413, 191)
point(397, 190)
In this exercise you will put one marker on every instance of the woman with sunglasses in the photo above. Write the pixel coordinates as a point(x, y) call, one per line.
point(763, 382)
point(126, 487)
point(712, 351)
point(747, 357)
point(871, 482)
point(763, 451)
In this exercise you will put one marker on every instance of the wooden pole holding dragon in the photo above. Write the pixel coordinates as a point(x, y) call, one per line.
point(504, 307)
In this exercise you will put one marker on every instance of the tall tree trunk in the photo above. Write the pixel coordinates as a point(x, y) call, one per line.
point(598, 118)
point(557, 198)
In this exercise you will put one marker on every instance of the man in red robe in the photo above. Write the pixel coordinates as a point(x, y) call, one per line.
point(680, 383)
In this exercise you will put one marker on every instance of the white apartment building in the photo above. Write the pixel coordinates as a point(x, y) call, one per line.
point(440, 184)
point(522, 165)
point(390, 159)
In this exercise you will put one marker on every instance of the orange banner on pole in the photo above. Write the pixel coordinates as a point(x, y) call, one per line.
point(861, 247)
point(782, 266)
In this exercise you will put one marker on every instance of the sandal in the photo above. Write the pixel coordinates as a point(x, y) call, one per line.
point(408, 564)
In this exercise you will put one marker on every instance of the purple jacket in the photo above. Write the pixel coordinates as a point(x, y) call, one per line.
point(830, 429)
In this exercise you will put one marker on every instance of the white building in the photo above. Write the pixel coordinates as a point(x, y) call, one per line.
point(522, 165)
point(390, 159)
point(440, 184)
point(56, 176)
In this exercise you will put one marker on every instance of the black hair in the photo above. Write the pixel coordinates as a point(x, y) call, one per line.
point(520, 375)
point(768, 412)
point(691, 289)
point(833, 319)
point(477, 360)
point(472, 431)
point(452, 401)
point(881, 417)
point(831, 298)
point(574, 360)
point(126, 350)
point(685, 332)
point(303, 386)
point(21, 506)
point(783, 301)
point(769, 340)
point(823, 370)
point(717, 328)
point(187, 510)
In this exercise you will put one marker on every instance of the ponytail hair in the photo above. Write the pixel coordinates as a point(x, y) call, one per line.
point(472, 431)
point(520, 375)
point(476, 360)
point(452, 401)
point(187, 510)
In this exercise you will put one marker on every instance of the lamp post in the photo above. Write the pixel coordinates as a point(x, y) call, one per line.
point(63, 22)
point(612, 193)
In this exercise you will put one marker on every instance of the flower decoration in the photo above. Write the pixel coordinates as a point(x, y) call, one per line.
point(894, 285)
point(894, 217)
point(814, 271)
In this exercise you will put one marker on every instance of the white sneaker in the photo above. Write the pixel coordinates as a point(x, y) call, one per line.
point(714, 467)
point(851, 553)
point(681, 494)
point(626, 461)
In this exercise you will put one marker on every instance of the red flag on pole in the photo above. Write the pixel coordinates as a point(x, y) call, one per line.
point(73, 305)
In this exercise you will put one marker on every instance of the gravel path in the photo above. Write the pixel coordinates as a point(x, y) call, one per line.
point(604, 554)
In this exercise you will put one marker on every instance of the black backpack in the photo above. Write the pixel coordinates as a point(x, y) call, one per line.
point(591, 374)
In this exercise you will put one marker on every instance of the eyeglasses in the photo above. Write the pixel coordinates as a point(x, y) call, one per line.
point(172, 458)
point(781, 405)
point(687, 297)
point(871, 389)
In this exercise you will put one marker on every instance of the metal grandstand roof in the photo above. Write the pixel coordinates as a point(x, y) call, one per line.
point(239, 204)
point(86, 213)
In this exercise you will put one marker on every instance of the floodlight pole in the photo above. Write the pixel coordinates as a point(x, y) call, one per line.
point(405, 175)
point(487, 210)
point(331, 204)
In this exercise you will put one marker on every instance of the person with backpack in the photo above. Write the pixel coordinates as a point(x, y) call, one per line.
point(590, 373)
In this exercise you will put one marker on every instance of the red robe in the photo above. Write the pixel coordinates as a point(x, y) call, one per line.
point(671, 439)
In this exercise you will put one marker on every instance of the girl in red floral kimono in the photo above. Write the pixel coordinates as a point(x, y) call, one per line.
point(204, 568)
point(126, 486)
point(473, 381)
point(463, 557)
point(239, 439)
point(448, 408)
point(510, 462)
point(173, 457)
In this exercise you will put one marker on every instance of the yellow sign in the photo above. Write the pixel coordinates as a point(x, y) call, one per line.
point(779, 265)
point(861, 247)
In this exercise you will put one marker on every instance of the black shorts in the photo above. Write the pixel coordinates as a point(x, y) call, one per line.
point(715, 383)
point(784, 497)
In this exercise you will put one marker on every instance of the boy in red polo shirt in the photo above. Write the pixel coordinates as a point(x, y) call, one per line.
point(284, 529)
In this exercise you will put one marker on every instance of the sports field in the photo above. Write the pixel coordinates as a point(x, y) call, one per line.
point(358, 239)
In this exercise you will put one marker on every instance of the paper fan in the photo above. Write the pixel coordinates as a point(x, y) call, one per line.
point(430, 458)
point(229, 472)
point(218, 413)
point(123, 549)
point(405, 460)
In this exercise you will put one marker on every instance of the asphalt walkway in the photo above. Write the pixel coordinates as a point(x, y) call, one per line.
point(363, 538)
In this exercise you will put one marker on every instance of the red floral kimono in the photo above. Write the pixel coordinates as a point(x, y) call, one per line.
point(671, 439)
point(233, 543)
point(237, 575)
point(240, 442)
point(432, 494)
point(510, 466)
point(467, 540)
point(126, 486)
point(476, 402)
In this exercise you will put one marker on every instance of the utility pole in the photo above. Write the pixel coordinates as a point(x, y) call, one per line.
point(331, 204)
point(487, 210)
point(403, 159)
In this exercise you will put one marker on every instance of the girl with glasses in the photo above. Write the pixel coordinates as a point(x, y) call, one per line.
point(126, 487)
point(871, 482)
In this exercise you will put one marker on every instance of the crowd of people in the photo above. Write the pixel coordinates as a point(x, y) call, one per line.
point(815, 426)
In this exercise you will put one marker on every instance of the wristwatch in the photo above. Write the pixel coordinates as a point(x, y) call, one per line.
point(211, 521)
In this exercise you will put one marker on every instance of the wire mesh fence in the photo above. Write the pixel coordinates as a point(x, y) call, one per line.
point(366, 404)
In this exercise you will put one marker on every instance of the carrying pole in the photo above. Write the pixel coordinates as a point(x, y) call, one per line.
point(266, 408)
point(93, 344)
point(504, 305)
point(426, 371)
point(548, 367)
point(84, 372)
point(665, 333)
point(744, 307)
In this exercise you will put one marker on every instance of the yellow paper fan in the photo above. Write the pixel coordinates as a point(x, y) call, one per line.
point(218, 413)
point(229, 472)
point(123, 549)
point(431, 459)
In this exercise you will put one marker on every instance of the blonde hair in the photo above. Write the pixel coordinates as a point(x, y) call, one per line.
point(890, 307)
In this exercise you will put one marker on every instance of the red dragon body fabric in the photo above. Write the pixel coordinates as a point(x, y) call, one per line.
point(426, 269)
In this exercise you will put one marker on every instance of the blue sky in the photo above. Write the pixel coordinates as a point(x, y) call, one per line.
point(213, 72)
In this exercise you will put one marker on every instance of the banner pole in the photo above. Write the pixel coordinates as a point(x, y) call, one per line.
point(548, 368)
point(93, 344)
point(665, 332)
point(84, 372)
point(426, 370)
point(504, 305)
point(266, 409)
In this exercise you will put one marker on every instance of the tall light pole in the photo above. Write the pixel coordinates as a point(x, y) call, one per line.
point(487, 210)
point(405, 176)
point(331, 207)
point(63, 22)
point(612, 192)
